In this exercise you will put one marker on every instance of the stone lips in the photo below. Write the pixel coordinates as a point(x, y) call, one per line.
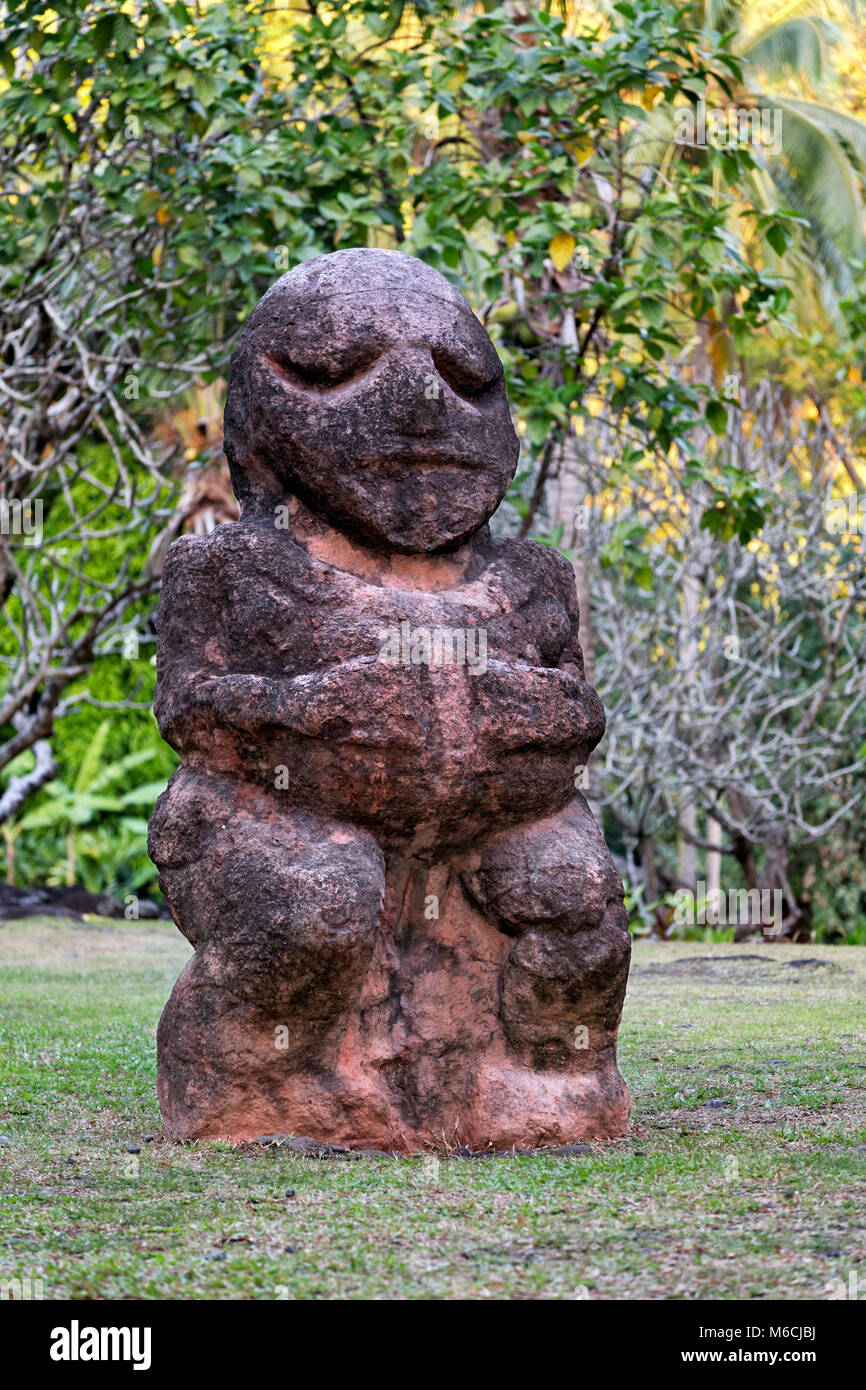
point(407, 926)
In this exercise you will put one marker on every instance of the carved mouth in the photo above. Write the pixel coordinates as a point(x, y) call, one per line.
point(422, 458)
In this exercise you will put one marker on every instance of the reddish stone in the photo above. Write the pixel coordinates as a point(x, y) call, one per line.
point(407, 926)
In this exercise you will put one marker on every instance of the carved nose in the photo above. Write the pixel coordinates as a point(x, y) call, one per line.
point(419, 406)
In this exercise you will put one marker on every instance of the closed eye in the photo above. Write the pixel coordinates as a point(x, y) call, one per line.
point(322, 376)
point(462, 379)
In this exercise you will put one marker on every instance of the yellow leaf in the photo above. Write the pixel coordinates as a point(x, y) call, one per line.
point(562, 249)
point(162, 216)
point(526, 136)
point(581, 149)
point(618, 377)
point(650, 97)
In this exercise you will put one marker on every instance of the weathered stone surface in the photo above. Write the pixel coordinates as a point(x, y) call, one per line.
point(408, 928)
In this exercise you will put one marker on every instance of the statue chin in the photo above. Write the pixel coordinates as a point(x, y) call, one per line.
point(411, 508)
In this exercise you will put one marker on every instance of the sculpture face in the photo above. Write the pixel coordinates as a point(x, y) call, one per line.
point(364, 384)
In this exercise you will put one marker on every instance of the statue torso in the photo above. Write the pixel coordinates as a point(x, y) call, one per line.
point(428, 699)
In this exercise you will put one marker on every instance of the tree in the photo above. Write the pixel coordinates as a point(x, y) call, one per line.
point(814, 164)
point(765, 728)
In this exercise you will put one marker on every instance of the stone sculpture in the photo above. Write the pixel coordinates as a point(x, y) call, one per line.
point(407, 927)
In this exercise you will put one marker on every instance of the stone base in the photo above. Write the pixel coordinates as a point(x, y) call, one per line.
point(424, 1060)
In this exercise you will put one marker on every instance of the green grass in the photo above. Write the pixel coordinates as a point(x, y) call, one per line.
point(761, 1197)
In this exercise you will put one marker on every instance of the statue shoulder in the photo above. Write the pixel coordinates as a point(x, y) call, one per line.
point(533, 567)
point(232, 550)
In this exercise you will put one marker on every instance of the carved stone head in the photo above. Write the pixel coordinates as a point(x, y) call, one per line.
point(363, 384)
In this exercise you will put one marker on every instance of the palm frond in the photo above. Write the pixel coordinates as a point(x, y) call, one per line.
point(814, 165)
point(796, 47)
point(847, 128)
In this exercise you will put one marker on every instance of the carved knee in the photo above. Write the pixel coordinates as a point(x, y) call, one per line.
point(561, 996)
point(555, 873)
point(281, 907)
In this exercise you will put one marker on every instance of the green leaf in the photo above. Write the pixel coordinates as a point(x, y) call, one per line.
point(717, 416)
point(777, 237)
point(103, 32)
point(92, 758)
point(145, 795)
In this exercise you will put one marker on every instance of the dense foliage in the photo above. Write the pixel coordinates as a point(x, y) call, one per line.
point(678, 320)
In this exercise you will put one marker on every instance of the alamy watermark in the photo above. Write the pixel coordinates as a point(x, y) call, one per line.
point(437, 646)
point(837, 1289)
point(739, 907)
point(718, 126)
point(77, 1343)
point(22, 516)
point(846, 514)
point(21, 1290)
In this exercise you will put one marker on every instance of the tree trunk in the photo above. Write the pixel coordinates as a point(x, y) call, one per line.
point(647, 847)
point(687, 858)
point(714, 856)
point(564, 495)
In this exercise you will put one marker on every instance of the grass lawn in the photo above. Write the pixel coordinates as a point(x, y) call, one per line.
point(742, 1176)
